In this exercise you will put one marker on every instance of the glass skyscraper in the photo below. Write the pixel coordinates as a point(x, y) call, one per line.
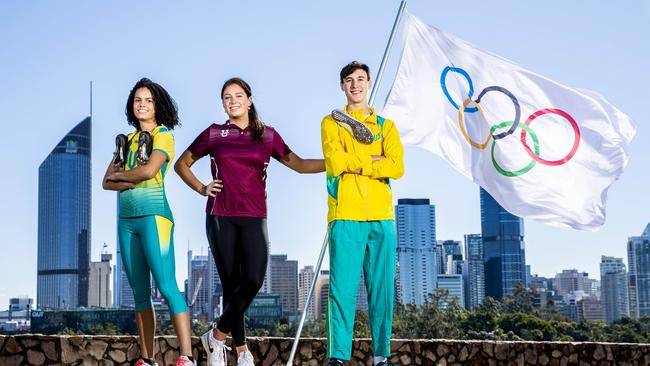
point(416, 250)
point(474, 275)
point(503, 248)
point(638, 259)
point(614, 292)
point(64, 197)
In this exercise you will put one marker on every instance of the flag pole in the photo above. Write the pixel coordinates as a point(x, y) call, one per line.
point(380, 72)
point(373, 94)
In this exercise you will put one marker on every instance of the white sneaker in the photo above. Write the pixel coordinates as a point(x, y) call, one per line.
point(245, 359)
point(216, 349)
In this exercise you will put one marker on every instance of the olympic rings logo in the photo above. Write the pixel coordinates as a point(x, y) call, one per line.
point(473, 106)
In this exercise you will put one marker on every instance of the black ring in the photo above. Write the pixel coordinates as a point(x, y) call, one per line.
point(515, 123)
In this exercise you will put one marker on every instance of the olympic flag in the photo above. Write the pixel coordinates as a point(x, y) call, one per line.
point(543, 150)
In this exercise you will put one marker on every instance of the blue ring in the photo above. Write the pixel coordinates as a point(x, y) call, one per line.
point(443, 83)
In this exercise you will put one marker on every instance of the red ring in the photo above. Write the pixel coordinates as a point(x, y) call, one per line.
point(576, 132)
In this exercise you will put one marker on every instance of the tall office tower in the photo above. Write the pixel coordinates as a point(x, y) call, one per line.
point(268, 277)
point(122, 293)
point(570, 280)
point(362, 294)
point(529, 276)
point(284, 281)
point(453, 284)
point(503, 248)
point(440, 261)
point(198, 287)
point(215, 290)
point(321, 293)
point(305, 278)
point(64, 210)
point(99, 287)
point(451, 251)
point(475, 274)
point(638, 259)
point(416, 249)
point(614, 294)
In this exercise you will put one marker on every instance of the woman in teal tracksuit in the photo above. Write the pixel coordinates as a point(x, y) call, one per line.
point(146, 224)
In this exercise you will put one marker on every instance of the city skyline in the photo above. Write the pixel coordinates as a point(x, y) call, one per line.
point(57, 61)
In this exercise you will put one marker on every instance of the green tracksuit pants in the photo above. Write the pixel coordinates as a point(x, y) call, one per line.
point(354, 245)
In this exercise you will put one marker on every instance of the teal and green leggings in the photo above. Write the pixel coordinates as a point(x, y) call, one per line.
point(147, 248)
point(354, 245)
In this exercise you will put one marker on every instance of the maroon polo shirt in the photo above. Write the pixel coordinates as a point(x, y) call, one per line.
point(241, 164)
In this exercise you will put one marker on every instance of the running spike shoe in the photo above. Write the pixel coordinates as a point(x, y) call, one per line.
point(145, 147)
point(121, 149)
point(360, 131)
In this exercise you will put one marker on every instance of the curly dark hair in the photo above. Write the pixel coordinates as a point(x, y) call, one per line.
point(352, 67)
point(165, 106)
point(256, 126)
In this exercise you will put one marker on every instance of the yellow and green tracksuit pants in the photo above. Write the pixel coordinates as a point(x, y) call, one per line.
point(147, 248)
point(354, 245)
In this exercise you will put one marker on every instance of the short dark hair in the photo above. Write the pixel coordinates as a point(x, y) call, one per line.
point(352, 67)
point(165, 107)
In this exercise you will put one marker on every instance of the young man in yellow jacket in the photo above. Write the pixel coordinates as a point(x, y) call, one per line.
point(361, 219)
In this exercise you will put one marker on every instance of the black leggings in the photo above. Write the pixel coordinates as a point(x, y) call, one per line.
point(240, 249)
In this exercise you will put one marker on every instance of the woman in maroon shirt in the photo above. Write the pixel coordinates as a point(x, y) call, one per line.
point(240, 150)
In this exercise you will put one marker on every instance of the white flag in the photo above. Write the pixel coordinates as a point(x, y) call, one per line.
point(543, 150)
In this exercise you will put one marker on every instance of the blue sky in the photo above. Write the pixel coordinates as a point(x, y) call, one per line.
point(291, 53)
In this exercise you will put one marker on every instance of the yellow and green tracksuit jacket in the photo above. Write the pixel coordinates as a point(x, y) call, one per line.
point(365, 196)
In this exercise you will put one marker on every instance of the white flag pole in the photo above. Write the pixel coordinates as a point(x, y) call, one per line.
point(373, 94)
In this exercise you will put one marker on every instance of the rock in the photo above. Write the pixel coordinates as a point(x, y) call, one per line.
point(12, 346)
point(77, 341)
point(488, 348)
point(556, 354)
point(263, 346)
point(463, 354)
point(405, 348)
point(442, 362)
point(429, 355)
point(564, 361)
point(599, 353)
point(35, 358)
point(171, 356)
point(28, 342)
point(106, 363)
point(50, 350)
point(3, 339)
point(530, 355)
point(520, 359)
point(610, 356)
point(173, 343)
point(120, 345)
point(69, 353)
point(133, 352)
point(271, 356)
point(501, 351)
point(405, 359)
point(442, 350)
point(14, 360)
point(117, 356)
point(96, 349)
point(543, 359)
point(305, 351)
point(573, 358)
point(285, 345)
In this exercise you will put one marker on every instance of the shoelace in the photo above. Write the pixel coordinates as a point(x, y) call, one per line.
point(245, 358)
point(222, 351)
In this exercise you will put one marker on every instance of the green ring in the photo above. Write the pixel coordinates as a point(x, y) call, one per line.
point(530, 165)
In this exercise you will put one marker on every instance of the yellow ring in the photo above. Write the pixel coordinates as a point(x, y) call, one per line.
point(462, 126)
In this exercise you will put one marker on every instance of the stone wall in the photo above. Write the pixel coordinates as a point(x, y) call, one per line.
point(104, 350)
